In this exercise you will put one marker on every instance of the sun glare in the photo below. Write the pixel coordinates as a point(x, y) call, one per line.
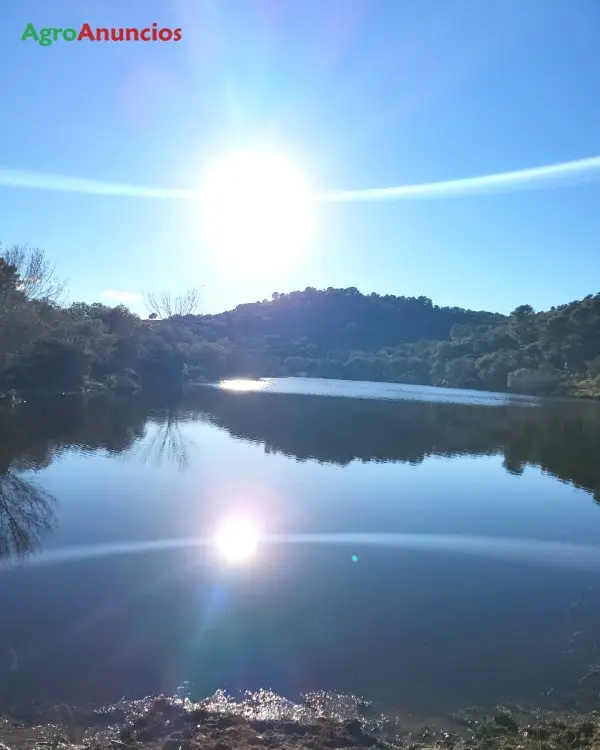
point(244, 385)
point(236, 540)
point(257, 209)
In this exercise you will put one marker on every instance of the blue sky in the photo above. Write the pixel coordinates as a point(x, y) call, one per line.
point(362, 93)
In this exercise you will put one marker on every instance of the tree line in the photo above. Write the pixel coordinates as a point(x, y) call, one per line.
point(48, 347)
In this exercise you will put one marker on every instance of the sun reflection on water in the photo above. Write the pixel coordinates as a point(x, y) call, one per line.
point(244, 385)
point(236, 539)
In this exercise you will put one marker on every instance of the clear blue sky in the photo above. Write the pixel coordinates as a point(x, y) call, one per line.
point(366, 93)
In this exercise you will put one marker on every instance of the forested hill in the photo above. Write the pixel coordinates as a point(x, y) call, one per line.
point(47, 347)
point(346, 320)
point(341, 333)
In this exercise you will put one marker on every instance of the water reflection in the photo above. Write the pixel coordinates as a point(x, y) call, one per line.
point(244, 385)
point(26, 515)
point(236, 539)
point(560, 437)
point(31, 438)
point(329, 602)
point(165, 441)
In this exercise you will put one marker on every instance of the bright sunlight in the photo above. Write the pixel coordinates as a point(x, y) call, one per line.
point(236, 539)
point(239, 384)
point(258, 209)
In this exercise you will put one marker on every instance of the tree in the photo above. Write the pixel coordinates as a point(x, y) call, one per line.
point(522, 324)
point(207, 361)
point(50, 368)
point(9, 278)
point(18, 321)
point(363, 367)
point(165, 305)
point(37, 274)
point(493, 370)
point(535, 382)
point(461, 373)
point(523, 312)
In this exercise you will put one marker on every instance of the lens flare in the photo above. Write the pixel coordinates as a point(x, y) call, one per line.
point(575, 172)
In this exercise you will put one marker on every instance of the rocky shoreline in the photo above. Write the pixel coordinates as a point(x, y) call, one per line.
point(175, 724)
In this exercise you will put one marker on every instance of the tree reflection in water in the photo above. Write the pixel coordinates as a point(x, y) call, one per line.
point(559, 437)
point(166, 441)
point(26, 515)
point(31, 438)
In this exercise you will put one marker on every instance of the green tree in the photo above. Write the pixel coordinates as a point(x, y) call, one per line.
point(48, 369)
point(534, 382)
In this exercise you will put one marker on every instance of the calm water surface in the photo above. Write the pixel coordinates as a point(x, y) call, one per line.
point(427, 549)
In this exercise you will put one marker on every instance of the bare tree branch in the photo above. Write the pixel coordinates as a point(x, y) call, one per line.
point(165, 305)
point(37, 274)
point(167, 441)
point(26, 514)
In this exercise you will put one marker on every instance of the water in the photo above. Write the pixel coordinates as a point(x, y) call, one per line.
point(426, 549)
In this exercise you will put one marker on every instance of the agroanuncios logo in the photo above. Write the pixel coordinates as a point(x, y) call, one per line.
point(48, 35)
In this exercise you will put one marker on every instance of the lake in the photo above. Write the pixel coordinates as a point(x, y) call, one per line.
point(427, 549)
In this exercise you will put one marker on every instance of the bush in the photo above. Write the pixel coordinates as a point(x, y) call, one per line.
point(534, 382)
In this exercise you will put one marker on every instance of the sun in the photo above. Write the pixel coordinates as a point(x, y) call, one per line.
point(257, 209)
point(236, 539)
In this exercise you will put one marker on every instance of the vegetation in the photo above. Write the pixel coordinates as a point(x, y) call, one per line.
point(48, 348)
point(165, 305)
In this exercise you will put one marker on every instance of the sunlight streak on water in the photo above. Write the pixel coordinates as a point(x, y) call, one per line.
point(373, 391)
point(244, 385)
point(531, 551)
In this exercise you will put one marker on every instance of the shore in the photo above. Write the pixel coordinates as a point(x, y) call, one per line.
point(175, 724)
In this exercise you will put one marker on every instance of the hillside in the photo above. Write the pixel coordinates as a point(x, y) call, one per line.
point(46, 348)
point(340, 333)
point(345, 319)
